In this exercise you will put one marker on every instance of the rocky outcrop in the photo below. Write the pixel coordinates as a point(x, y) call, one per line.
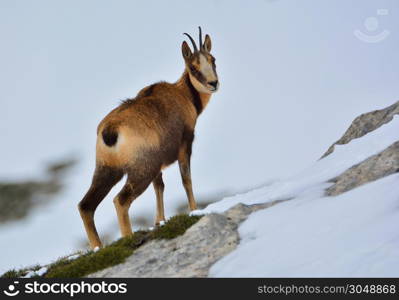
point(366, 123)
point(373, 168)
point(18, 198)
point(190, 255)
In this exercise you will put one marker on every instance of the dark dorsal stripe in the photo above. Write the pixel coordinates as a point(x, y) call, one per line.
point(195, 96)
point(110, 136)
point(148, 91)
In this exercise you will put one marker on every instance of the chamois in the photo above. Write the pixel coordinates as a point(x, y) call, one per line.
point(144, 135)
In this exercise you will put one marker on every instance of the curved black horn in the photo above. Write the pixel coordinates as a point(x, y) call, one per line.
point(200, 38)
point(192, 41)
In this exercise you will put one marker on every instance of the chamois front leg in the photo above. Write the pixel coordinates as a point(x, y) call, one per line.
point(185, 172)
point(159, 188)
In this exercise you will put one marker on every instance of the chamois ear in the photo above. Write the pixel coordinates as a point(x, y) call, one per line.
point(185, 50)
point(207, 43)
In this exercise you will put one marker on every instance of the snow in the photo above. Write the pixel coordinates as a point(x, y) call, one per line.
point(30, 274)
point(350, 235)
point(39, 272)
point(73, 257)
point(276, 112)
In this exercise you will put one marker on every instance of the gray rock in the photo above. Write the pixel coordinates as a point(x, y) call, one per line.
point(366, 123)
point(190, 255)
point(373, 168)
point(17, 199)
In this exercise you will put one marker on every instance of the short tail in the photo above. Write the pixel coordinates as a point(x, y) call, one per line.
point(110, 136)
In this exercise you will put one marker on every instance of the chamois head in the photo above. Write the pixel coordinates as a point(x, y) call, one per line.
point(200, 64)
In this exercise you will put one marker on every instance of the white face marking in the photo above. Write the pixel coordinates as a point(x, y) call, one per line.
point(206, 68)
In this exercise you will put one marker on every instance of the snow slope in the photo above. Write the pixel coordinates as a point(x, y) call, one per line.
point(293, 76)
point(353, 234)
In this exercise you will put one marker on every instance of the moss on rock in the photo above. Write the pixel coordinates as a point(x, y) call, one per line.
point(112, 254)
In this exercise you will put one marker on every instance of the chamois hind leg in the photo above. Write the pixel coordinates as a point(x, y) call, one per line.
point(184, 166)
point(103, 180)
point(159, 188)
point(133, 188)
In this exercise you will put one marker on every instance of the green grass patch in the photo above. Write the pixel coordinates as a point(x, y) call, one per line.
point(19, 273)
point(112, 254)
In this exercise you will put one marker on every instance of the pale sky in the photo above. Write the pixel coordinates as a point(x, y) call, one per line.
point(293, 76)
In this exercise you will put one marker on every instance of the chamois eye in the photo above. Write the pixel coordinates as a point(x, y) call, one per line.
point(193, 70)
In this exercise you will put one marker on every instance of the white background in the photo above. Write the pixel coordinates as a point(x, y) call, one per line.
point(292, 73)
